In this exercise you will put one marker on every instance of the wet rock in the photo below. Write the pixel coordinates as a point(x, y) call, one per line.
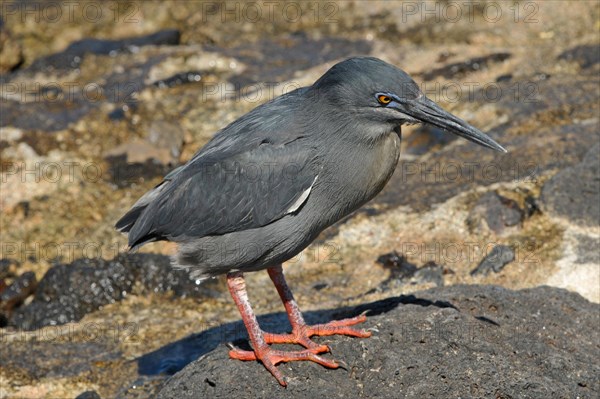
point(574, 193)
point(73, 55)
point(586, 55)
point(496, 211)
point(68, 292)
point(499, 256)
point(460, 69)
point(433, 343)
point(18, 291)
point(89, 395)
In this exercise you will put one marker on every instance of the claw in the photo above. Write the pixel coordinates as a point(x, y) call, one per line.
point(342, 364)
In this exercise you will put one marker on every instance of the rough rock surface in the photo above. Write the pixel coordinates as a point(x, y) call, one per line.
point(499, 256)
point(68, 292)
point(460, 341)
point(574, 193)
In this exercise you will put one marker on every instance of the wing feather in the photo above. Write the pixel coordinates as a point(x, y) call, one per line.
point(239, 192)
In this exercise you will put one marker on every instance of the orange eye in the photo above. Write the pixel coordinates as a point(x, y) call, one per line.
point(383, 99)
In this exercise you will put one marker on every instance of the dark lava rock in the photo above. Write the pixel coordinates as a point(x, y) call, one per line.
point(68, 292)
point(15, 294)
point(55, 109)
point(124, 173)
point(451, 170)
point(458, 341)
point(43, 115)
point(51, 356)
point(404, 272)
point(462, 68)
point(179, 79)
point(425, 138)
point(586, 55)
point(499, 256)
point(429, 273)
point(497, 211)
point(587, 249)
point(574, 193)
point(504, 78)
point(7, 267)
point(276, 60)
point(88, 395)
point(73, 55)
point(398, 265)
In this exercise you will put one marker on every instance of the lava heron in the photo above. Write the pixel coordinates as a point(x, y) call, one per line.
point(266, 185)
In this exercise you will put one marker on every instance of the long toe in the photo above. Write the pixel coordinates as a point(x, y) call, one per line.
point(265, 358)
point(302, 333)
point(340, 327)
point(271, 357)
point(300, 338)
point(279, 356)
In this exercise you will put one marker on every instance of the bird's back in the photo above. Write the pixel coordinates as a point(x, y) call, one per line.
point(248, 175)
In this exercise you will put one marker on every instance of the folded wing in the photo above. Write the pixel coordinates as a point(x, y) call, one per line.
point(225, 192)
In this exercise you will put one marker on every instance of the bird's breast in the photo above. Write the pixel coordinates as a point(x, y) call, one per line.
point(380, 165)
point(356, 175)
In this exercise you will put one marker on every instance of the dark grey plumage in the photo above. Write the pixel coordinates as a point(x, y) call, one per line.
point(266, 185)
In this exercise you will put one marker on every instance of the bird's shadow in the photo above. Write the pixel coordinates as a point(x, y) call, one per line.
point(175, 356)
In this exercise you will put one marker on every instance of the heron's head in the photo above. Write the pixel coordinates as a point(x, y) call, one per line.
point(369, 92)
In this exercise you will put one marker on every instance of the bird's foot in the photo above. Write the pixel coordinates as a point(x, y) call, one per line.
point(301, 335)
point(302, 332)
point(270, 357)
point(338, 327)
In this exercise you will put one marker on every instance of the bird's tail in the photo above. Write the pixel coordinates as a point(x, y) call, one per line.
point(134, 215)
point(128, 220)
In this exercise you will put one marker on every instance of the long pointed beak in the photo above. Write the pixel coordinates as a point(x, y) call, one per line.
point(426, 111)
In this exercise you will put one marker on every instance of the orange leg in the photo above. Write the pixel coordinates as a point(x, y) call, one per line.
point(301, 332)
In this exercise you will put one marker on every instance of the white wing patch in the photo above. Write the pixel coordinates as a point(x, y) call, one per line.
point(301, 199)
